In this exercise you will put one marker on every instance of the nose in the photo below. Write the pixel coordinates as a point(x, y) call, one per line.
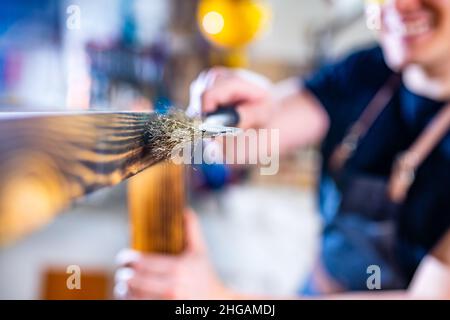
point(405, 6)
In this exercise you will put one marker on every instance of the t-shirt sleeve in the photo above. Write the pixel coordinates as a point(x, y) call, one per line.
point(326, 84)
point(337, 82)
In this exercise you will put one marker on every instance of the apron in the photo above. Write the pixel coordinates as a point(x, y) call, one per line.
point(363, 233)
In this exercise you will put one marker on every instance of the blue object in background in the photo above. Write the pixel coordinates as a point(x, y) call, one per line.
point(216, 176)
point(44, 13)
point(24, 25)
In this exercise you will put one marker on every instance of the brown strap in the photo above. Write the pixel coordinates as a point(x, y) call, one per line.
point(359, 129)
point(376, 106)
point(403, 173)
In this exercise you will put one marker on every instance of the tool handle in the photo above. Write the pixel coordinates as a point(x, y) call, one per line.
point(224, 116)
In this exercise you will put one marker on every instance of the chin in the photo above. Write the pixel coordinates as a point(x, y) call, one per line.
point(401, 52)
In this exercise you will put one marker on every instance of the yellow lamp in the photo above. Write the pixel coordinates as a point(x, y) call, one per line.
point(231, 24)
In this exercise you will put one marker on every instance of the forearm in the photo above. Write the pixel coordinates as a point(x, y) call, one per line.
point(431, 281)
point(296, 120)
point(299, 117)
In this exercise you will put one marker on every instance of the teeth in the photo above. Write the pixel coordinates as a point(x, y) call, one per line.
point(415, 28)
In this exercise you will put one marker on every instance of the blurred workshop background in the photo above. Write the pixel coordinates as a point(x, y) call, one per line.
point(137, 55)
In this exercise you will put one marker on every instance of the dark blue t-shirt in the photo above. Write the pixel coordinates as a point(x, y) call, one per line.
point(345, 89)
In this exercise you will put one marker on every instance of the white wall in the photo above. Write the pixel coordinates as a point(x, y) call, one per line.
point(293, 21)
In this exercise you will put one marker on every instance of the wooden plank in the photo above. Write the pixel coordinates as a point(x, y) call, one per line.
point(156, 201)
point(48, 160)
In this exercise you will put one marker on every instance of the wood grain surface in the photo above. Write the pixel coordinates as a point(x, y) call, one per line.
point(156, 201)
point(48, 160)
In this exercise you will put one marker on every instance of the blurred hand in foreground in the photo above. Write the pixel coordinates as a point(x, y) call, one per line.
point(158, 276)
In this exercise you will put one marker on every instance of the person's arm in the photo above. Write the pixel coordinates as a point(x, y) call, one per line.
point(192, 276)
point(286, 106)
point(432, 279)
point(299, 116)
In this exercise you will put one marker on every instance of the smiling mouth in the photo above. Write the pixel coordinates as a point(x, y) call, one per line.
point(414, 29)
point(413, 26)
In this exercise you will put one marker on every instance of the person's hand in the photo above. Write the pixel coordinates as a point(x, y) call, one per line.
point(155, 276)
point(251, 93)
